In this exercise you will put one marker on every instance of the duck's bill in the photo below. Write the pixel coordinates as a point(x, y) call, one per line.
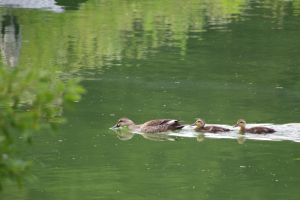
point(236, 125)
point(115, 126)
point(194, 124)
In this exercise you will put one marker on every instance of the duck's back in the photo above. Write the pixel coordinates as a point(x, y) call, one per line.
point(158, 122)
point(260, 130)
point(160, 125)
point(212, 129)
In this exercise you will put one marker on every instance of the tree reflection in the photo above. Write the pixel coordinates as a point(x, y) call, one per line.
point(133, 29)
point(11, 39)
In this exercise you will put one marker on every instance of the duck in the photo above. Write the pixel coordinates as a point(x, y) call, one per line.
point(153, 126)
point(258, 129)
point(200, 123)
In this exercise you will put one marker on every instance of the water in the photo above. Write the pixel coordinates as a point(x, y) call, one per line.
point(152, 60)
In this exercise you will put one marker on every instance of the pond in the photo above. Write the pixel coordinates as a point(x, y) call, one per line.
point(216, 60)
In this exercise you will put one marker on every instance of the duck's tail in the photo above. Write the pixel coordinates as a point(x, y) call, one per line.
point(175, 125)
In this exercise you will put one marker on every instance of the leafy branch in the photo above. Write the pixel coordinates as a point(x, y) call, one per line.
point(30, 101)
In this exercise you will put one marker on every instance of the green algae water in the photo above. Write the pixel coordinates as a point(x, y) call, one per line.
point(219, 61)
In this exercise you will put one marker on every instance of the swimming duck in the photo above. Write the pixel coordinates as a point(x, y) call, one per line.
point(258, 129)
point(153, 126)
point(200, 123)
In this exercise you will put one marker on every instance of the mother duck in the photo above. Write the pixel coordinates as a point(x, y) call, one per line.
point(153, 126)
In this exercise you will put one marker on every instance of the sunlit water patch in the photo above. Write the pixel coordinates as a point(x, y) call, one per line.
point(283, 132)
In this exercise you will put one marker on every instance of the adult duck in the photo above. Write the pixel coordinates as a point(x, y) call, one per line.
point(200, 127)
point(258, 129)
point(153, 126)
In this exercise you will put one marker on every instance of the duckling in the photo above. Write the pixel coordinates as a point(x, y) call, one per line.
point(153, 126)
point(258, 129)
point(200, 123)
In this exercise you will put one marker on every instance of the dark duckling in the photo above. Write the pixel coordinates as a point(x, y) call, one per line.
point(258, 129)
point(153, 126)
point(200, 123)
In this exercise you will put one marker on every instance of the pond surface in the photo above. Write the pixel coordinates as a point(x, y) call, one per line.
point(216, 60)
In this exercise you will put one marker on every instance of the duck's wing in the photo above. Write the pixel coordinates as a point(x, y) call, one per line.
point(254, 130)
point(154, 129)
point(161, 125)
point(206, 129)
point(221, 129)
point(215, 129)
point(158, 122)
point(200, 129)
point(260, 130)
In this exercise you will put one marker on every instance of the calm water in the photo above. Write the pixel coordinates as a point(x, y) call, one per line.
point(220, 61)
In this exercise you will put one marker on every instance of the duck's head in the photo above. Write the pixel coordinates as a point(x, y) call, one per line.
point(240, 123)
point(199, 123)
point(123, 122)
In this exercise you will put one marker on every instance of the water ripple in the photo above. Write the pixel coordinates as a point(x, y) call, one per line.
point(284, 132)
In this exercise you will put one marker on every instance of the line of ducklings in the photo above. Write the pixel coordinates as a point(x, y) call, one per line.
point(165, 125)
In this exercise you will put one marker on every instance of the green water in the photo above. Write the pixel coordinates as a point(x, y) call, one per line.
point(216, 60)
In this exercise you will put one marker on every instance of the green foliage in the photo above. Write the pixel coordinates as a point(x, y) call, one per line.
point(30, 101)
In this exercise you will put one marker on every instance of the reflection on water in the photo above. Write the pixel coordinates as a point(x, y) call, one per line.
point(70, 5)
point(284, 132)
point(160, 137)
point(200, 137)
point(145, 28)
point(241, 139)
point(11, 38)
point(125, 134)
point(33, 4)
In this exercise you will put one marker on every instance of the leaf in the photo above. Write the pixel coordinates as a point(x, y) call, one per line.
point(30, 101)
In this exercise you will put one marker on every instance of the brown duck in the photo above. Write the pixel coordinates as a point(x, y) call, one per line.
point(258, 129)
point(200, 123)
point(153, 126)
